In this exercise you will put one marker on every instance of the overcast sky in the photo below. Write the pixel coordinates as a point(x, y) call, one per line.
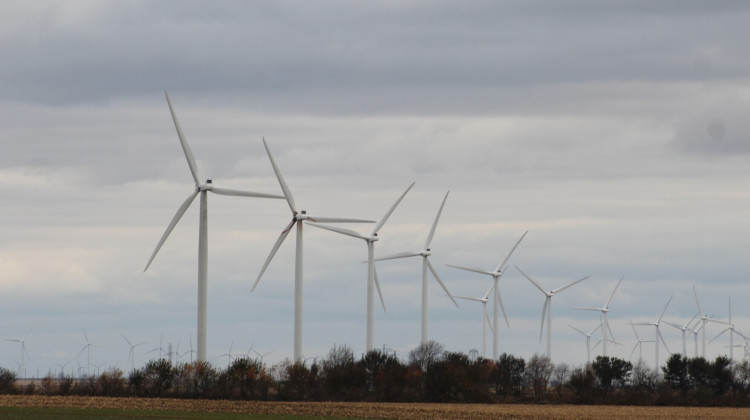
point(617, 133)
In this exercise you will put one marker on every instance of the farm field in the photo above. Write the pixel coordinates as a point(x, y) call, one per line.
point(134, 408)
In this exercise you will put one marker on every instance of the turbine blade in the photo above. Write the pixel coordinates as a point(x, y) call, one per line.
point(613, 294)
point(633, 351)
point(487, 294)
point(500, 300)
point(337, 220)
point(399, 255)
point(390, 211)
point(434, 223)
point(697, 302)
point(587, 309)
point(468, 298)
point(476, 270)
point(719, 335)
point(284, 187)
point(665, 309)
point(611, 334)
point(126, 339)
point(338, 230)
point(560, 289)
point(544, 312)
point(240, 193)
point(488, 320)
point(507, 257)
point(538, 286)
point(658, 332)
point(576, 329)
point(183, 208)
point(377, 285)
point(434, 273)
point(185, 147)
point(275, 248)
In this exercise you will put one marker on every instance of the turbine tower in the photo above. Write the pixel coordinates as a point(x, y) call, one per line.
point(703, 320)
point(588, 340)
point(425, 253)
point(732, 330)
point(656, 324)
point(547, 308)
point(297, 218)
point(603, 318)
point(496, 274)
point(371, 276)
point(201, 188)
point(485, 317)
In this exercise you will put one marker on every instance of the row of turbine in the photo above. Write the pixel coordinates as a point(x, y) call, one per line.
point(301, 217)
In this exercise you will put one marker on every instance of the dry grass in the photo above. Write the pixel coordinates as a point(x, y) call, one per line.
point(385, 410)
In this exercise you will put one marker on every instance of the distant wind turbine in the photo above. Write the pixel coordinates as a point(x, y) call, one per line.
point(87, 347)
point(496, 274)
point(425, 253)
point(24, 352)
point(639, 343)
point(371, 276)
point(201, 188)
point(485, 317)
point(297, 218)
point(603, 318)
point(684, 329)
point(131, 353)
point(657, 337)
point(732, 330)
point(547, 308)
point(588, 340)
point(703, 320)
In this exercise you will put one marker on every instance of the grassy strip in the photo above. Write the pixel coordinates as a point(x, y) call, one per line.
point(46, 413)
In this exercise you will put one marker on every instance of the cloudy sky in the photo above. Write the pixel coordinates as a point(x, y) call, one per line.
point(616, 133)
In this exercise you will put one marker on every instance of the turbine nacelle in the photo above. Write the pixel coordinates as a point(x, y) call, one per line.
point(426, 253)
point(206, 186)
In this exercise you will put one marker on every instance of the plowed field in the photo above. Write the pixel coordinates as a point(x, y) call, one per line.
point(385, 410)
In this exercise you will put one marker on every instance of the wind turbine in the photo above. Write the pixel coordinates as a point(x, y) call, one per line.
point(656, 324)
point(703, 320)
point(485, 317)
point(87, 347)
point(603, 318)
point(24, 352)
point(732, 330)
point(639, 344)
point(547, 308)
point(228, 354)
point(190, 351)
point(371, 276)
point(588, 340)
point(496, 274)
point(201, 188)
point(131, 353)
point(297, 218)
point(684, 329)
point(425, 253)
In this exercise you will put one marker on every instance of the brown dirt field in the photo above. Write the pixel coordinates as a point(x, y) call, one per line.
point(386, 410)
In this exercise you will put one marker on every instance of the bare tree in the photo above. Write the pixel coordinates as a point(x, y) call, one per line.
point(426, 354)
point(538, 373)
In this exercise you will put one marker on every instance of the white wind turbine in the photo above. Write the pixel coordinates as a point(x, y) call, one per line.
point(656, 324)
point(485, 317)
point(496, 274)
point(372, 280)
point(547, 308)
point(131, 353)
point(588, 340)
point(603, 318)
point(298, 217)
point(732, 330)
point(201, 188)
point(87, 347)
point(24, 352)
point(425, 253)
point(639, 344)
point(703, 320)
point(684, 329)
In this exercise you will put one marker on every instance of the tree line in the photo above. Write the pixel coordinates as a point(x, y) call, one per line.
point(430, 374)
